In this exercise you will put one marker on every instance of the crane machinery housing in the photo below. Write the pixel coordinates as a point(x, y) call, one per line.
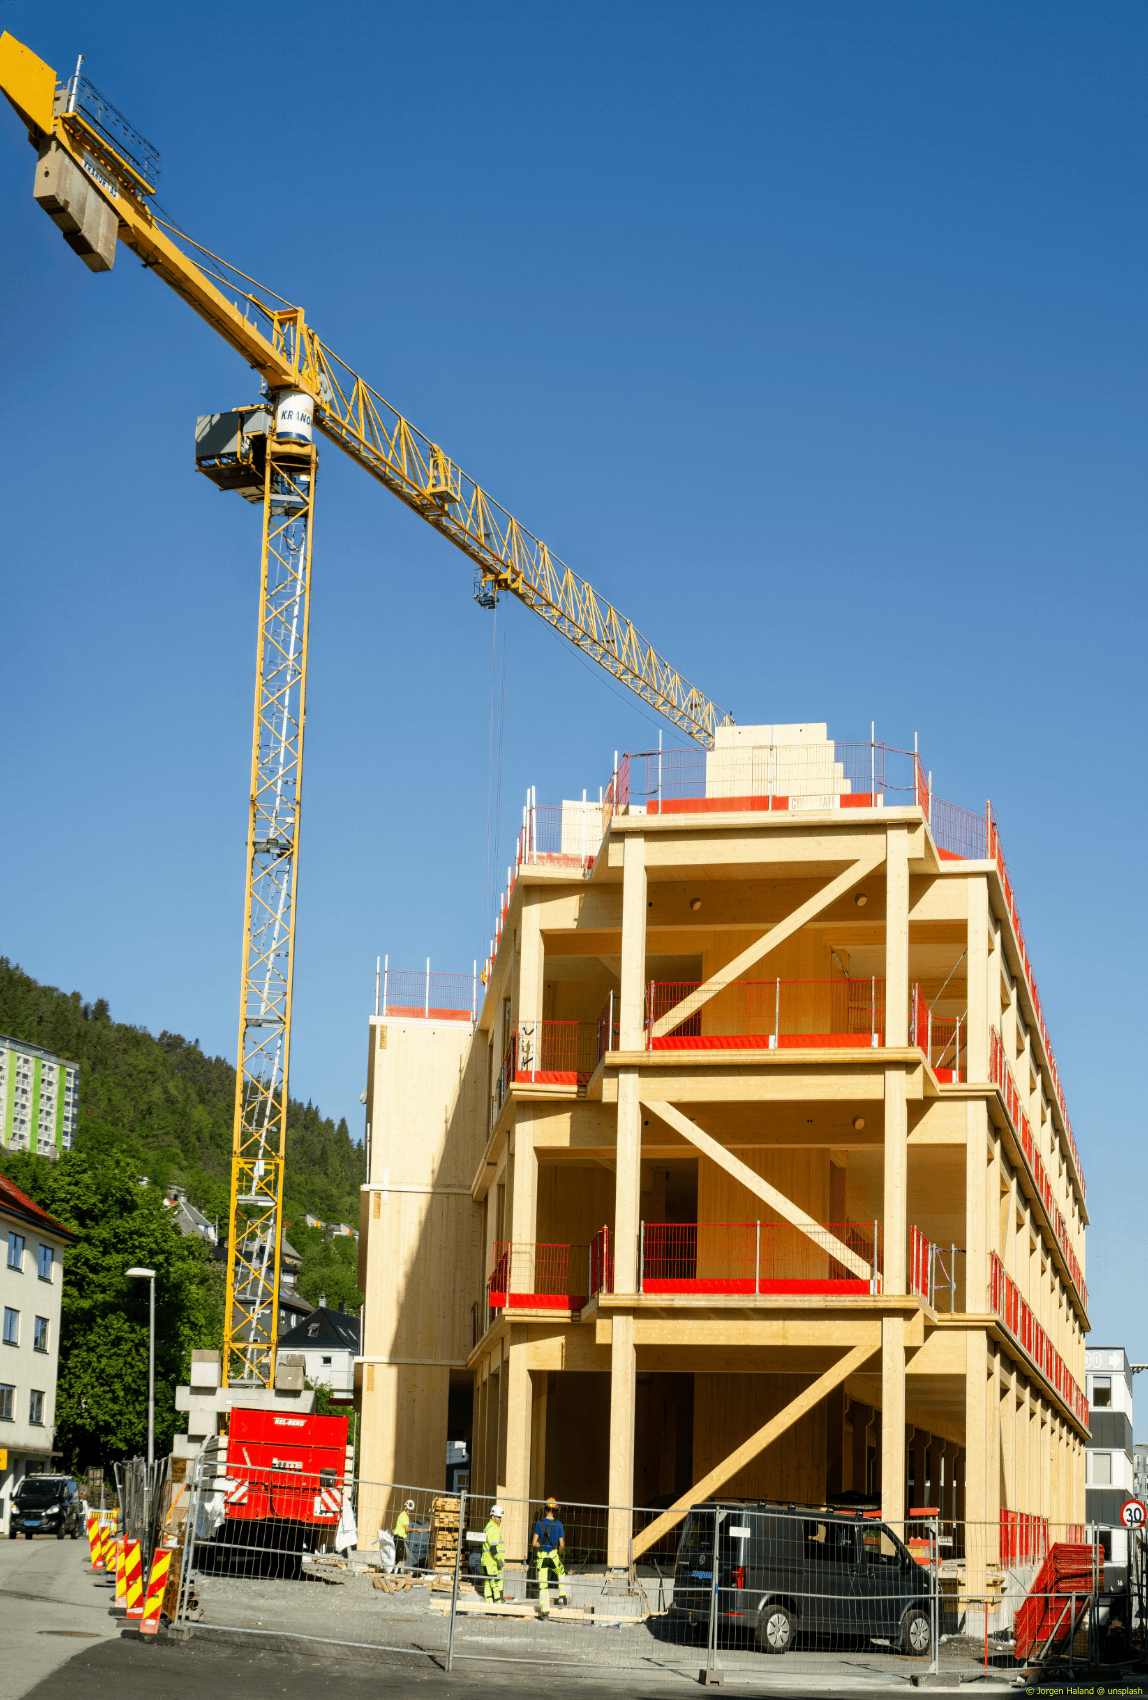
point(96, 177)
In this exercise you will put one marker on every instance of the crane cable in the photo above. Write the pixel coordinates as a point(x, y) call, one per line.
point(493, 779)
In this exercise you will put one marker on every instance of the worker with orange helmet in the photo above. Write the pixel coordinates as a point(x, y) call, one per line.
point(549, 1545)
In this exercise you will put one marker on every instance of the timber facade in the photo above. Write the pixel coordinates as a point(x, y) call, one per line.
point(753, 1173)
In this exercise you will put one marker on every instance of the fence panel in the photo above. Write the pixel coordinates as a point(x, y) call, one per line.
point(729, 1585)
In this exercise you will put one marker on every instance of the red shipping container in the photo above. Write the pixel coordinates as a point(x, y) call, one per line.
point(285, 1467)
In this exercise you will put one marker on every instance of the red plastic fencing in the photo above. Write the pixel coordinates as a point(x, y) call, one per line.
point(995, 851)
point(771, 1015)
point(1001, 1074)
point(528, 1276)
point(1023, 1538)
point(1069, 1569)
point(758, 1257)
point(1016, 1314)
point(943, 1038)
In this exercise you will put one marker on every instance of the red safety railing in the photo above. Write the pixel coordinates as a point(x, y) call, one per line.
point(608, 1028)
point(1023, 1538)
point(529, 1276)
point(997, 855)
point(934, 1274)
point(1016, 1314)
point(770, 1015)
point(601, 1263)
point(759, 1257)
point(432, 995)
point(1001, 1074)
point(943, 1038)
point(547, 1053)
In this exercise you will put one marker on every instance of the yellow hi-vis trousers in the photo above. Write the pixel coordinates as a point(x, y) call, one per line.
point(546, 1561)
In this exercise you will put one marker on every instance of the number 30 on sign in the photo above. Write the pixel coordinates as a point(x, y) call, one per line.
point(1134, 1514)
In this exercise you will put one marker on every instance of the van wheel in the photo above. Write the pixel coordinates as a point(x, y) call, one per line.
point(774, 1629)
point(916, 1634)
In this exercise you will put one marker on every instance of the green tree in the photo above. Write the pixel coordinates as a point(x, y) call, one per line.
point(328, 1266)
point(101, 1399)
point(165, 1106)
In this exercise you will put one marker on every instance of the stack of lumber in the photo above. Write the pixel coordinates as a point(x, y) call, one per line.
point(442, 1546)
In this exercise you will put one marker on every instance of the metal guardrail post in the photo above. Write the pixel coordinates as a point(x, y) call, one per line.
point(935, 1625)
point(711, 1651)
point(641, 1255)
point(454, 1589)
point(757, 1261)
point(182, 1622)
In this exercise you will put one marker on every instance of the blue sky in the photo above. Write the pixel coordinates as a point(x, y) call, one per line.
point(812, 334)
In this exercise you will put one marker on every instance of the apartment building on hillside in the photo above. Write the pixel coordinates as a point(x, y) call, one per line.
point(39, 1098)
point(754, 1172)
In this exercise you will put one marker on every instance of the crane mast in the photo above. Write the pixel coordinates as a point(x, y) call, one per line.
point(96, 178)
point(259, 1146)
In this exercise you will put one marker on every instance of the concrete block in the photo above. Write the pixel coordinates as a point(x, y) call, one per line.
point(290, 1372)
point(205, 1371)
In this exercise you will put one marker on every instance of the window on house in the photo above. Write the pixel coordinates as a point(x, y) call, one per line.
point(1102, 1469)
point(16, 1251)
point(36, 1408)
point(47, 1258)
point(1101, 1391)
point(40, 1341)
point(326, 1360)
point(313, 1329)
point(7, 1403)
point(11, 1326)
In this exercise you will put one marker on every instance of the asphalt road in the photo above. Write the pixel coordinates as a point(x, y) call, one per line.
point(50, 1606)
point(59, 1639)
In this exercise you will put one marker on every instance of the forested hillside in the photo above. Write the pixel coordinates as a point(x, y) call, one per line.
point(167, 1107)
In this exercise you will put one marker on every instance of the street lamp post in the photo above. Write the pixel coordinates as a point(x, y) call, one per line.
point(148, 1275)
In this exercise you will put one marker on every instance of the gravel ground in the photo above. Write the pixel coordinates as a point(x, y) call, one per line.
point(354, 1612)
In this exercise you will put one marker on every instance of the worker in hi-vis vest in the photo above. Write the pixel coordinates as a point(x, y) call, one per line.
point(493, 1556)
point(402, 1530)
point(549, 1545)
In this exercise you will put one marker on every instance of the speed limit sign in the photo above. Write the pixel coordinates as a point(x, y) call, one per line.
point(1134, 1514)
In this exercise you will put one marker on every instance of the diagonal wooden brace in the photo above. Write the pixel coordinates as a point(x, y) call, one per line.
point(776, 1426)
point(768, 942)
point(753, 1182)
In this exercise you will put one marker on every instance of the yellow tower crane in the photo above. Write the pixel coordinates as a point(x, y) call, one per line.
point(96, 177)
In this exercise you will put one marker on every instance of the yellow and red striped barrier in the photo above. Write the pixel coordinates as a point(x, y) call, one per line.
point(93, 1536)
point(156, 1583)
point(133, 1579)
point(120, 1549)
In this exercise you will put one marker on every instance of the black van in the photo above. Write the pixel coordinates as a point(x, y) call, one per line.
point(785, 1571)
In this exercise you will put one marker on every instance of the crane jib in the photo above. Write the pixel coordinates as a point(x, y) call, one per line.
point(96, 178)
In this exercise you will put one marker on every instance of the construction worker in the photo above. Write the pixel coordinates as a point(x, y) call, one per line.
point(549, 1545)
point(402, 1530)
point(493, 1556)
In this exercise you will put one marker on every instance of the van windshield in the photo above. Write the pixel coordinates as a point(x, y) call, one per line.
point(41, 1490)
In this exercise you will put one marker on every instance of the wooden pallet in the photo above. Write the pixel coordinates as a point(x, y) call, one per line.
point(442, 1546)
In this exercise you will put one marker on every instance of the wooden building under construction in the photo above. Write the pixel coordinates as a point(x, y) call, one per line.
point(746, 1168)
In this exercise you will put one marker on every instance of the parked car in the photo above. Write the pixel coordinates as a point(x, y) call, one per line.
point(46, 1505)
point(784, 1572)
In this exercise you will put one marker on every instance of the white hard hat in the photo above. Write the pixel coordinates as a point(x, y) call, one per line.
point(496, 1510)
point(410, 1505)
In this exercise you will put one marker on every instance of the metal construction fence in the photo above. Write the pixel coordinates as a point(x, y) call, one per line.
point(727, 1584)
